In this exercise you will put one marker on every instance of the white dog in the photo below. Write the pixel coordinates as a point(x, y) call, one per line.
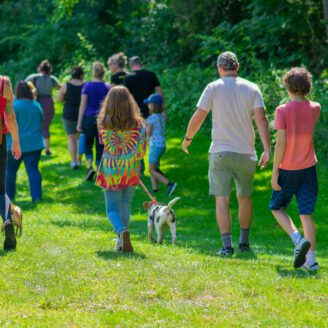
point(160, 216)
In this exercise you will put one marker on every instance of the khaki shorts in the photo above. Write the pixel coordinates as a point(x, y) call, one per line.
point(223, 166)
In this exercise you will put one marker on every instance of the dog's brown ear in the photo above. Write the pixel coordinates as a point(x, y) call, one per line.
point(146, 205)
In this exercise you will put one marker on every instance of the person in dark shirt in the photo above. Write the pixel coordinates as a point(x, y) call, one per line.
point(116, 64)
point(142, 83)
point(70, 94)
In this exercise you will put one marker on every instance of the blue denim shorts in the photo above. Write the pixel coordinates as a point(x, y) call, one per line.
point(155, 154)
point(301, 183)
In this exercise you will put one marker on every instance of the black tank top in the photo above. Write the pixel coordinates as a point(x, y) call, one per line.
point(72, 101)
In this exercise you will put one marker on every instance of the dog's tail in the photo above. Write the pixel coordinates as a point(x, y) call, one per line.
point(172, 202)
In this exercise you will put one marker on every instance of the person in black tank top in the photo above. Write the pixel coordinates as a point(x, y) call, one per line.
point(70, 94)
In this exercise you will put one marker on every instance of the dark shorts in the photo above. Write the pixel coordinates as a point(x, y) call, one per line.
point(301, 183)
point(70, 126)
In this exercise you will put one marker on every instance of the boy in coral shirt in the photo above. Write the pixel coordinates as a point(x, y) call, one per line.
point(294, 167)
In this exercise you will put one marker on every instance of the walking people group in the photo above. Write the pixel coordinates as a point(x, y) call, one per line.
point(234, 102)
point(120, 118)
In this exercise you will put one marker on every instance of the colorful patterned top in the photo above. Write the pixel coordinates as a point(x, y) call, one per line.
point(120, 163)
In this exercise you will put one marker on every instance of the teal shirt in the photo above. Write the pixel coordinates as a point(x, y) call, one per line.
point(29, 116)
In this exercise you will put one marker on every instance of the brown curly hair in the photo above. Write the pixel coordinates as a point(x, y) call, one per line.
point(119, 111)
point(298, 81)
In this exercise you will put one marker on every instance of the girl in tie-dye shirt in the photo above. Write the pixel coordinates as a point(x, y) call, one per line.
point(123, 134)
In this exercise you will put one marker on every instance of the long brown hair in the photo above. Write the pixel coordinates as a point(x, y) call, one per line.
point(119, 110)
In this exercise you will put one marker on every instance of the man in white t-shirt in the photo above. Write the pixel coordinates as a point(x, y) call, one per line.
point(234, 102)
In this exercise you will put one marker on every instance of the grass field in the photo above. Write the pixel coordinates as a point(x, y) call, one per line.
point(65, 272)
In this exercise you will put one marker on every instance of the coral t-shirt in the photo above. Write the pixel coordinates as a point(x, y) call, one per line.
point(298, 118)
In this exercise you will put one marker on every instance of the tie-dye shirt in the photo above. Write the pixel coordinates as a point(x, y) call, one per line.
point(120, 163)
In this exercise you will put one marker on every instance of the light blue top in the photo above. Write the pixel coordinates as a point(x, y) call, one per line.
point(157, 139)
point(29, 116)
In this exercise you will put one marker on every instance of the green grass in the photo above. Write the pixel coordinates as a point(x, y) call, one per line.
point(66, 274)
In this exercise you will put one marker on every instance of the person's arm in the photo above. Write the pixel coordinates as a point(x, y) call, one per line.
point(61, 93)
point(194, 125)
point(159, 90)
point(55, 82)
point(83, 107)
point(263, 128)
point(149, 128)
point(11, 120)
point(279, 152)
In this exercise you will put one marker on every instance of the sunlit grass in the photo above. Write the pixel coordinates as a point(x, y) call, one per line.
point(66, 274)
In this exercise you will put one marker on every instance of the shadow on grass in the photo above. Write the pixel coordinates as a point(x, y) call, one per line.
point(296, 273)
point(113, 255)
point(83, 224)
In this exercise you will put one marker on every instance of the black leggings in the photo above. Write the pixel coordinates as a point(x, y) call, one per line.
point(3, 164)
point(89, 126)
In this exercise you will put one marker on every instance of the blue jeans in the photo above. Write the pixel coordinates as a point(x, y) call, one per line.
point(118, 206)
point(31, 161)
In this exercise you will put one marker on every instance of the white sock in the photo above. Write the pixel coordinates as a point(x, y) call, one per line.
point(310, 257)
point(296, 237)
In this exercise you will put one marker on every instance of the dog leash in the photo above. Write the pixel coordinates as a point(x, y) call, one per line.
point(153, 199)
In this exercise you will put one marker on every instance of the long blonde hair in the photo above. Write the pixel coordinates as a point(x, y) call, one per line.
point(119, 111)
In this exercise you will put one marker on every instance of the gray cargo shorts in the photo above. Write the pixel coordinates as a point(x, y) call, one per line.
point(223, 166)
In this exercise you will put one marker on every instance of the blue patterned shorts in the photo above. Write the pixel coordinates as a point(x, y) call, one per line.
point(301, 183)
point(155, 154)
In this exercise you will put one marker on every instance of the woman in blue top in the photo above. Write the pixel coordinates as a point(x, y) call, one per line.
point(93, 93)
point(29, 115)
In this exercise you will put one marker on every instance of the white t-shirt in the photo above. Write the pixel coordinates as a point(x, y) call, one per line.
point(232, 101)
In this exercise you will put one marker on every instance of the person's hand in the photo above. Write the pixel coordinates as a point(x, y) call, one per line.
point(264, 159)
point(16, 150)
point(185, 145)
point(274, 181)
point(79, 128)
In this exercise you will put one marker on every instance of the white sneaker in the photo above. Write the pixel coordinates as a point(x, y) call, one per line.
point(300, 252)
point(119, 245)
point(313, 267)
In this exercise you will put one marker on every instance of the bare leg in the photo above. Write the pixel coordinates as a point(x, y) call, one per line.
point(78, 156)
point(309, 230)
point(285, 221)
point(222, 214)
point(155, 174)
point(154, 181)
point(245, 212)
point(47, 142)
point(72, 147)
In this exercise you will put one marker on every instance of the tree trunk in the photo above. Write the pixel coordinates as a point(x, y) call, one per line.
point(325, 14)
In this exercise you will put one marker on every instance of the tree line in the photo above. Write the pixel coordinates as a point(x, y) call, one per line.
point(265, 34)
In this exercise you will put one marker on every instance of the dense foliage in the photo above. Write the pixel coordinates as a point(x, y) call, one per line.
point(179, 39)
point(269, 33)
